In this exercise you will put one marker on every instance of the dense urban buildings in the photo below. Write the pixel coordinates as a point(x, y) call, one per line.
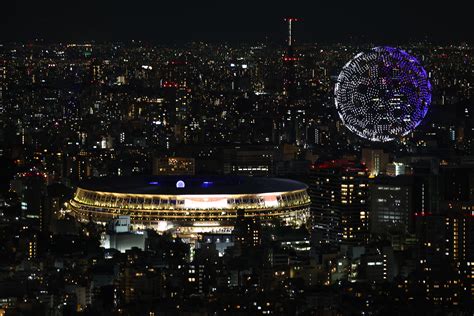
point(218, 179)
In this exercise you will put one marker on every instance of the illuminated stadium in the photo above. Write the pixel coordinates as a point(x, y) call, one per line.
point(190, 204)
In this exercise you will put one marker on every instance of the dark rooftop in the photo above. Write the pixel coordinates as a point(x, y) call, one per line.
point(191, 185)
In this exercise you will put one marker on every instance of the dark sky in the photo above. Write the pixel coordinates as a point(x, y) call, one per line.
point(226, 20)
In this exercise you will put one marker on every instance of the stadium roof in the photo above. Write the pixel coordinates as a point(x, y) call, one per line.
point(181, 185)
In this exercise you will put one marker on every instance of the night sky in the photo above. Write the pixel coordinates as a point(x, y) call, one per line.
point(234, 21)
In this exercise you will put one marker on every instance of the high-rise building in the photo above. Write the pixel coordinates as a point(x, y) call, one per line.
point(456, 182)
point(251, 160)
point(247, 232)
point(460, 222)
point(446, 253)
point(425, 190)
point(28, 245)
point(391, 205)
point(31, 190)
point(339, 206)
point(376, 160)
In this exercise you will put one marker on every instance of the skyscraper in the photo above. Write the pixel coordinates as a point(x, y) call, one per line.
point(391, 205)
point(339, 209)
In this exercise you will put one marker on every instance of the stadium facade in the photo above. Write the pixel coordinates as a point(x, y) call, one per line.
point(191, 204)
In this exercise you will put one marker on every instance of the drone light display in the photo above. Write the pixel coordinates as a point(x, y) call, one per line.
point(382, 94)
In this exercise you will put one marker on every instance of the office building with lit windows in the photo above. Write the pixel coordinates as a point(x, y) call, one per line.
point(391, 208)
point(339, 206)
point(31, 188)
point(191, 204)
point(460, 220)
point(446, 252)
point(375, 160)
point(168, 166)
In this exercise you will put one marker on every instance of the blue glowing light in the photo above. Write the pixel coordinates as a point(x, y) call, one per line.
point(180, 184)
point(382, 94)
point(154, 183)
point(207, 184)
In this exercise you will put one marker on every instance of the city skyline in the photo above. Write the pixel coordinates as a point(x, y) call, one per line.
point(246, 158)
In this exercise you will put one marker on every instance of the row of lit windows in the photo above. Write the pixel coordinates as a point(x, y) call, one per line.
point(180, 213)
point(106, 216)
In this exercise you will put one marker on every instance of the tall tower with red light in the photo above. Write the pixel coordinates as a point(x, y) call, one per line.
point(290, 59)
point(293, 112)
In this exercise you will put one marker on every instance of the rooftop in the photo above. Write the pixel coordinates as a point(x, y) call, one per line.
point(174, 185)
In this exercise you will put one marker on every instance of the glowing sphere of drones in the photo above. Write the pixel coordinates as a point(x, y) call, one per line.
point(382, 94)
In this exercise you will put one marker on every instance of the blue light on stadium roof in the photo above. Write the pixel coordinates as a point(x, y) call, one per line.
point(207, 184)
point(180, 184)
